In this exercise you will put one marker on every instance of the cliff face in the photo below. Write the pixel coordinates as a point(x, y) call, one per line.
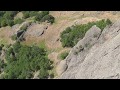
point(96, 56)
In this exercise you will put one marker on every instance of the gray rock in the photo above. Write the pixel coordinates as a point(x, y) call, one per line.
point(36, 30)
point(101, 60)
point(62, 66)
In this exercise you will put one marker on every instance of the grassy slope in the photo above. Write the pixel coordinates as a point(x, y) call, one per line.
point(63, 19)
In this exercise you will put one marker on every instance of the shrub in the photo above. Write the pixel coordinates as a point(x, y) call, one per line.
point(26, 14)
point(39, 17)
point(71, 35)
point(63, 55)
point(108, 21)
point(48, 18)
point(33, 13)
point(7, 17)
point(18, 21)
point(45, 13)
point(26, 61)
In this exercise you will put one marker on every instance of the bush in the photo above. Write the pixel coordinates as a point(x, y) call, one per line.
point(48, 18)
point(26, 14)
point(33, 13)
point(39, 17)
point(26, 61)
point(63, 55)
point(45, 13)
point(10, 22)
point(71, 35)
point(3, 23)
point(7, 17)
point(108, 21)
point(18, 21)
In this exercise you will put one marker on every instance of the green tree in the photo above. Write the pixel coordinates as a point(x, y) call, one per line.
point(48, 18)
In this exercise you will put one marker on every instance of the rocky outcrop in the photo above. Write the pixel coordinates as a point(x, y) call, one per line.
point(61, 67)
point(36, 30)
point(100, 58)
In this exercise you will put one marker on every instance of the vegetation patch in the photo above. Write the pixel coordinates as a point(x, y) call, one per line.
point(71, 35)
point(23, 61)
point(63, 55)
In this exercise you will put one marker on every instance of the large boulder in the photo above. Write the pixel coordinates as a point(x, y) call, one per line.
point(101, 60)
point(36, 30)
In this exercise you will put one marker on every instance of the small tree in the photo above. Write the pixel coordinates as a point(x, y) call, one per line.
point(10, 22)
point(3, 23)
point(26, 14)
point(48, 18)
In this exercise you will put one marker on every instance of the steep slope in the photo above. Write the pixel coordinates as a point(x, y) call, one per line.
point(98, 60)
point(48, 36)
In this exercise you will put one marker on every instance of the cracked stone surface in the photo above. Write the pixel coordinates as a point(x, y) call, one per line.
point(101, 61)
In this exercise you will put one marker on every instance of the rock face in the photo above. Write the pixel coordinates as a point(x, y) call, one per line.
point(100, 58)
point(36, 30)
point(61, 67)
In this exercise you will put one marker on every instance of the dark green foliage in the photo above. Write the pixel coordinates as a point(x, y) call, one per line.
point(26, 14)
point(2, 65)
point(27, 61)
point(18, 21)
point(108, 21)
point(72, 35)
point(45, 13)
point(3, 23)
point(39, 16)
point(7, 17)
point(44, 16)
point(63, 55)
point(10, 22)
point(1, 46)
point(33, 13)
point(48, 18)
point(2, 13)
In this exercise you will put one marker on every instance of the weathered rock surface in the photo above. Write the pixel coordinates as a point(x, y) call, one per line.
point(99, 61)
point(61, 67)
point(36, 30)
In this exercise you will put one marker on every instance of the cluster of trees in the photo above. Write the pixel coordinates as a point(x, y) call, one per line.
point(7, 18)
point(39, 16)
point(71, 35)
point(23, 61)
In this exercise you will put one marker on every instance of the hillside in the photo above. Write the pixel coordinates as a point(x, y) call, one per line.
point(101, 60)
point(43, 29)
